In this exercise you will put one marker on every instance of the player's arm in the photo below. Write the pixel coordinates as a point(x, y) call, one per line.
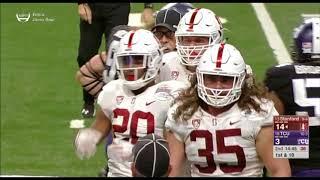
point(177, 154)
point(264, 142)
point(88, 138)
point(90, 74)
point(277, 101)
point(102, 123)
point(274, 81)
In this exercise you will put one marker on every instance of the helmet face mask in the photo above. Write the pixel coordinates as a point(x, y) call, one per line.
point(220, 97)
point(221, 73)
point(198, 23)
point(191, 52)
point(138, 59)
point(306, 37)
point(132, 67)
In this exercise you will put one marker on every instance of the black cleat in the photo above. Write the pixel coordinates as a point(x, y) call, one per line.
point(88, 110)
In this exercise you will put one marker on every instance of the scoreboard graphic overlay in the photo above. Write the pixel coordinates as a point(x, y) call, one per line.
point(291, 137)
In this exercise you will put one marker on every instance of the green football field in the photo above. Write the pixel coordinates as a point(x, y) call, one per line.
point(39, 94)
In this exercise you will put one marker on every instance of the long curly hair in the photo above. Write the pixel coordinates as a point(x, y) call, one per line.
point(188, 100)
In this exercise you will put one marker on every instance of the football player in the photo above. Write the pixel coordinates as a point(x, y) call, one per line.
point(100, 69)
point(222, 125)
point(133, 105)
point(197, 30)
point(200, 38)
point(295, 89)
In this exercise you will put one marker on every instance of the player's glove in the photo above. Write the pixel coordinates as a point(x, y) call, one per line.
point(86, 142)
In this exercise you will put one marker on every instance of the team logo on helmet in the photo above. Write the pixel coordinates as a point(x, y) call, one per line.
point(306, 47)
point(196, 123)
point(119, 99)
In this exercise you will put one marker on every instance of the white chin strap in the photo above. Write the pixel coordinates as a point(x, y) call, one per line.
point(219, 103)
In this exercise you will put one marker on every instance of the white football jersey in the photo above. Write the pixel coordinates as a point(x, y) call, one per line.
point(173, 69)
point(223, 145)
point(134, 116)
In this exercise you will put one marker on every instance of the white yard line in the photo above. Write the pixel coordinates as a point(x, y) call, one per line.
point(272, 34)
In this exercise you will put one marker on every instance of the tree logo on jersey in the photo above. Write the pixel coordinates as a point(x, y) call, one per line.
point(119, 99)
point(174, 75)
point(196, 123)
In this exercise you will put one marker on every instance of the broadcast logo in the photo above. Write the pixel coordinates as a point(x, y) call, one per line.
point(23, 17)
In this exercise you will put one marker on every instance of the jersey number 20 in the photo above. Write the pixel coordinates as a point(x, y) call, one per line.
point(134, 122)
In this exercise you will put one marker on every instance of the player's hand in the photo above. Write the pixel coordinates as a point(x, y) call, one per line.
point(86, 142)
point(147, 18)
point(85, 12)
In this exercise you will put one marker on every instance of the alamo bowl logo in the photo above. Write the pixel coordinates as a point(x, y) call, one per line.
point(119, 99)
point(163, 93)
point(196, 123)
point(23, 17)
